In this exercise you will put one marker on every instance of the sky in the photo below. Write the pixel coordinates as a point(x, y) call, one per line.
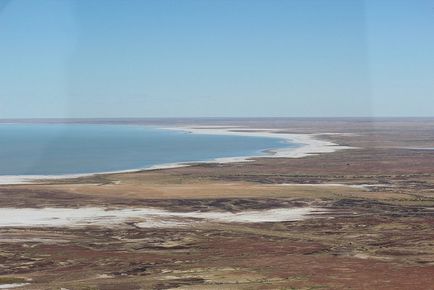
point(216, 58)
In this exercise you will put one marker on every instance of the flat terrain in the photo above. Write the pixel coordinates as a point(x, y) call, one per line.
point(376, 230)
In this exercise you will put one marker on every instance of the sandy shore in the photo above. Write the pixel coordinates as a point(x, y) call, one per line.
point(309, 144)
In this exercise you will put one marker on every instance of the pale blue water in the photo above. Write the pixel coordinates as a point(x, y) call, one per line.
point(54, 149)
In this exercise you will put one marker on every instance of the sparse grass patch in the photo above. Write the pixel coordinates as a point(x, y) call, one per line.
point(89, 288)
point(11, 280)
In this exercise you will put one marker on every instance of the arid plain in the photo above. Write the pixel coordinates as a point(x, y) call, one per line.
point(374, 227)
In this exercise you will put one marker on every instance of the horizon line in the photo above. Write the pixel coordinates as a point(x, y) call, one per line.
point(219, 117)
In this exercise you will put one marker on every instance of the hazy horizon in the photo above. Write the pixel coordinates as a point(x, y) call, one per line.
point(204, 118)
point(220, 59)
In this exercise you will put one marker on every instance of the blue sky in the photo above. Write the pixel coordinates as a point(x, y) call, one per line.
point(183, 58)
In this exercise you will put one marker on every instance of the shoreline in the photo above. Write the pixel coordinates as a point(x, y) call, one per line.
point(310, 145)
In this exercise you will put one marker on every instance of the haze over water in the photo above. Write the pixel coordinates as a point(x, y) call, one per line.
point(55, 149)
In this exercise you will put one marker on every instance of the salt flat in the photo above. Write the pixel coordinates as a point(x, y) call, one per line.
point(142, 217)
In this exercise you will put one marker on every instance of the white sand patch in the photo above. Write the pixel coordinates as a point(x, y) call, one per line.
point(104, 276)
point(14, 285)
point(166, 222)
point(358, 186)
point(31, 179)
point(270, 215)
point(142, 217)
point(418, 148)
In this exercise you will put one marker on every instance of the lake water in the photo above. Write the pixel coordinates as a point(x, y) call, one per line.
point(56, 149)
